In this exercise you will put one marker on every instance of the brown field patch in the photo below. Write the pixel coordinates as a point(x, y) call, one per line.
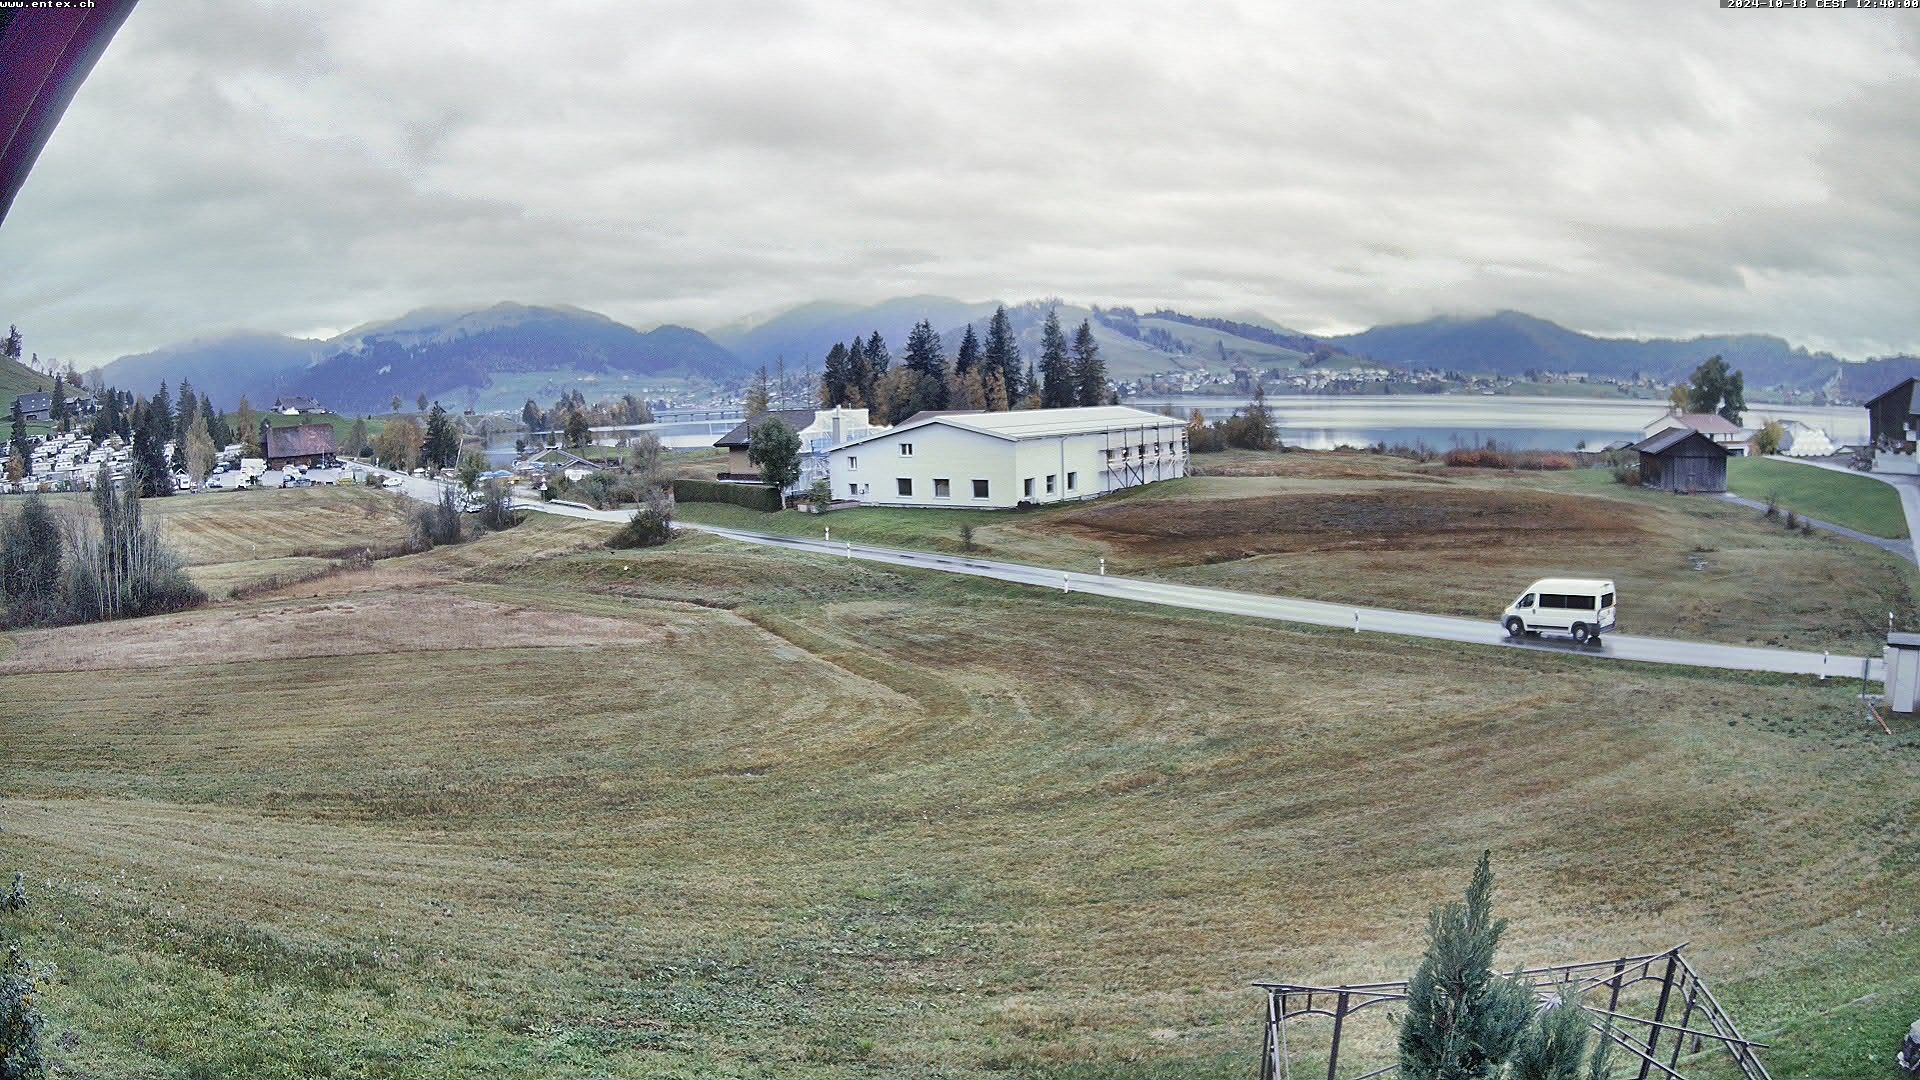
point(1396, 519)
point(376, 623)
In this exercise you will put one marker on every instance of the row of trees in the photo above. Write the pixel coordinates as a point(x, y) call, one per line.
point(983, 375)
point(57, 569)
point(572, 409)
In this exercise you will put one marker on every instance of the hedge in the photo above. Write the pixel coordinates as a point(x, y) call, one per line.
point(751, 496)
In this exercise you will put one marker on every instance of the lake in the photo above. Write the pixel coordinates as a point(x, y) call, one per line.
point(1447, 420)
point(1438, 420)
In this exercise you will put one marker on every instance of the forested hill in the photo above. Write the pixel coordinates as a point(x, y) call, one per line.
point(1511, 343)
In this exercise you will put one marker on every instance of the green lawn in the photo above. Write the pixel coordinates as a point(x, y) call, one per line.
point(1858, 502)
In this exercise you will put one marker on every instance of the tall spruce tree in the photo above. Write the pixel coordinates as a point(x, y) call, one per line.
point(18, 440)
point(968, 357)
point(878, 358)
point(1089, 370)
point(1003, 352)
point(442, 447)
point(1463, 1021)
point(928, 362)
point(859, 375)
point(1056, 371)
point(833, 377)
point(57, 403)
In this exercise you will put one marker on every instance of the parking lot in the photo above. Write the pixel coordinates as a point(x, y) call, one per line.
point(275, 478)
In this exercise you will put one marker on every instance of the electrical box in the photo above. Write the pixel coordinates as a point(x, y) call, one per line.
point(1903, 672)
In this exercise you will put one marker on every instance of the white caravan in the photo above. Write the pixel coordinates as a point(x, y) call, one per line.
point(1581, 607)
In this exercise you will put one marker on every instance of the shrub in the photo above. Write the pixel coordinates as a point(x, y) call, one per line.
point(19, 1020)
point(438, 524)
point(496, 507)
point(1491, 457)
point(15, 899)
point(30, 550)
point(821, 495)
point(120, 569)
point(1462, 1020)
point(966, 537)
point(751, 496)
point(1793, 521)
point(650, 526)
point(1806, 527)
point(1773, 506)
point(1626, 468)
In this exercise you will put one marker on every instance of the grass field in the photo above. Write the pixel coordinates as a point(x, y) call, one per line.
point(1858, 502)
point(1369, 529)
point(527, 807)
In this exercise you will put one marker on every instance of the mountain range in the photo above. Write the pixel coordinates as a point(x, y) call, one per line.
point(497, 356)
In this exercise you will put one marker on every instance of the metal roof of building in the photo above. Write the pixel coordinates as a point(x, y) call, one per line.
point(1705, 423)
point(742, 433)
point(1038, 423)
point(1666, 440)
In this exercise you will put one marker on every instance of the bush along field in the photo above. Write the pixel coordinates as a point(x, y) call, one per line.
point(533, 806)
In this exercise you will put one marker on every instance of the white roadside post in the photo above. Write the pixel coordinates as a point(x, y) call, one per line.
point(828, 530)
point(1356, 620)
point(1103, 566)
point(1066, 582)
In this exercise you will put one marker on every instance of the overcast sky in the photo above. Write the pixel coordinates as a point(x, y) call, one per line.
point(1665, 168)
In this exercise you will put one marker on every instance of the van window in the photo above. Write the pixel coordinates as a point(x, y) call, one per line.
point(1525, 601)
point(1553, 600)
point(1584, 603)
point(1606, 600)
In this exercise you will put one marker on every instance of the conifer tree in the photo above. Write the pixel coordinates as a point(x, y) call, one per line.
point(57, 403)
point(878, 359)
point(1003, 352)
point(1030, 391)
point(969, 355)
point(1056, 371)
point(1089, 370)
point(925, 358)
point(1555, 1046)
point(833, 377)
point(10, 345)
point(759, 395)
point(20, 1021)
point(1463, 1021)
point(859, 375)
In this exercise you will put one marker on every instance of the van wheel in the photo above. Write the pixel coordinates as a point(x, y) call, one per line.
point(1516, 628)
point(1581, 633)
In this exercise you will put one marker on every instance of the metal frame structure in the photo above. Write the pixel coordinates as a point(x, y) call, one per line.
point(1646, 1040)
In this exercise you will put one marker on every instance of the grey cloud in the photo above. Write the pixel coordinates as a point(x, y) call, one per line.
point(1621, 168)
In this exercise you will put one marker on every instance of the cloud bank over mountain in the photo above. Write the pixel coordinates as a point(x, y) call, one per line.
point(1637, 169)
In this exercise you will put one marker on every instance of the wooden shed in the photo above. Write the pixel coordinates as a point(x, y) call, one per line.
point(1684, 461)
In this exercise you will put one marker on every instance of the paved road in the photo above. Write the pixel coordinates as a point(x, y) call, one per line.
point(1285, 609)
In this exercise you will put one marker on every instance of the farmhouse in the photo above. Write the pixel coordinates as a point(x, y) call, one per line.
point(296, 406)
point(1714, 426)
point(1893, 421)
point(820, 430)
point(299, 444)
point(1006, 459)
point(37, 407)
point(1683, 460)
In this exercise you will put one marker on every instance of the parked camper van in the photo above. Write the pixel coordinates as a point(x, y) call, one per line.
point(1580, 607)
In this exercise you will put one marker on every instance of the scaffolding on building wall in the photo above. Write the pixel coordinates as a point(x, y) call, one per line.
point(1614, 994)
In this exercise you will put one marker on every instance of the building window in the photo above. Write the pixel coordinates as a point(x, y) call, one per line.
point(942, 489)
point(1073, 480)
point(853, 463)
point(979, 489)
point(853, 491)
point(1050, 480)
point(1026, 488)
point(906, 485)
point(906, 449)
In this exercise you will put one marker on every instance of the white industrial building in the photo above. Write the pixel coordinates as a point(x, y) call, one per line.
point(997, 460)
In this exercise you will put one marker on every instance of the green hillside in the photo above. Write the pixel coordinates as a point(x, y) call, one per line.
point(17, 378)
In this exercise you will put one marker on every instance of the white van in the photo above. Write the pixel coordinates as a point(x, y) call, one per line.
point(1581, 607)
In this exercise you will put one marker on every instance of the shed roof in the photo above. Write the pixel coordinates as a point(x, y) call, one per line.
point(742, 434)
point(1905, 388)
point(1705, 423)
point(299, 440)
point(1664, 441)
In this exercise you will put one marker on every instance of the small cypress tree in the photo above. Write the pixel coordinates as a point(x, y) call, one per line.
point(1555, 1047)
point(19, 1021)
point(1463, 1021)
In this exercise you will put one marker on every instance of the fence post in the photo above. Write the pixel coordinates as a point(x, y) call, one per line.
point(1659, 1016)
point(1333, 1051)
